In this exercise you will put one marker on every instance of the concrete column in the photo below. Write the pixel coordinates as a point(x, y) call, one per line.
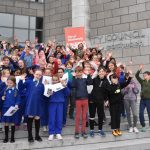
point(81, 15)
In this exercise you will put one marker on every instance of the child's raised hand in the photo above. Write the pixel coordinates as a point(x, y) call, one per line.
point(141, 66)
point(64, 83)
point(16, 107)
point(3, 79)
point(73, 74)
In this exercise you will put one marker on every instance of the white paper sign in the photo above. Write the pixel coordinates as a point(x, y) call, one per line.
point(65, 77)
point(11, 111)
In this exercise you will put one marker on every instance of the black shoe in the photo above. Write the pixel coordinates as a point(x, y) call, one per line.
point(31, 140)
point(84, 135)
point(5, 140)
point(39, 139)
point(12, 140)
point(77, 136)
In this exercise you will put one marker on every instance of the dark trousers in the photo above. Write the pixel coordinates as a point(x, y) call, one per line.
point(99, 108)
point(115, 115)
point(144, 104)
point(71, 100)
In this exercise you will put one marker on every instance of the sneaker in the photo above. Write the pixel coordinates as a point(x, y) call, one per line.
point(130, 130)
point(136, 130)
point(91, 133)
point(51, 137)
point(76, 135)
point(102, 133)
point(84, 135)
point(59, 137)
point(143, 129)
point(114, 133)
point(119, 132)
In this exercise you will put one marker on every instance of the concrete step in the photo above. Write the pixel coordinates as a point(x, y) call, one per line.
point(96, 143)
point(69, 130)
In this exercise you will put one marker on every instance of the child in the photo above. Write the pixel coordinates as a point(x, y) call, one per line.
point(34, 96)
point(56, 101)
point(4, 76)
point(96, 101)
point(115, 97)
point(6, 64)
point(81, 96)
point(11, 97)
point(145, 95)
point(44, 104)
point(130, 102)
point(69, 70)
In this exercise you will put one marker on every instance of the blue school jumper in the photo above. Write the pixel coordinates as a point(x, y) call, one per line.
point(44, 111)
point(56, 110)
point(34, 96)
point(21, 111)
point(12, 98)
point(2, 88)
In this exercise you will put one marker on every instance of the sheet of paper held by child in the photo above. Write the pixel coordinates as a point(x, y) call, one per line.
point(50, 88)
point(47, 80)
point(11, 111)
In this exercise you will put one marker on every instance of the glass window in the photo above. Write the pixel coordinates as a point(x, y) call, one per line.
point(39, 23)
point(21, 21)
point(39, 35)
point(7, 32)
point(32, 35)
point(6, 20)
point(21, 34)
point(32, 22)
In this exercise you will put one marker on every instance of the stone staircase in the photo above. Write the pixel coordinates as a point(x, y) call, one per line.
point(128, 141)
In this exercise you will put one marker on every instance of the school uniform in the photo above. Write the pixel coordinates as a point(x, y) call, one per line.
point(12, 98)
point(34, 97)
point(56, 101)
point(44, 111)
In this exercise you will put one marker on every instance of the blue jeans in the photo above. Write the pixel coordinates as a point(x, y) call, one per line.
point(144, 104)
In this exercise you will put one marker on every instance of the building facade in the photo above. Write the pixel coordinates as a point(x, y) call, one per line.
point(122, 26)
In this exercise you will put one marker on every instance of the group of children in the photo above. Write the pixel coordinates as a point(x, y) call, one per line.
point(93, 82)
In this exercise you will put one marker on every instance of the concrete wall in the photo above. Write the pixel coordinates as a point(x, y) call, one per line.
point(114, 24)
point(58, 15)
point(22, 7)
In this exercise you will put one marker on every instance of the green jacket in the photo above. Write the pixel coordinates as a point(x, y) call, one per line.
point(145, 86)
